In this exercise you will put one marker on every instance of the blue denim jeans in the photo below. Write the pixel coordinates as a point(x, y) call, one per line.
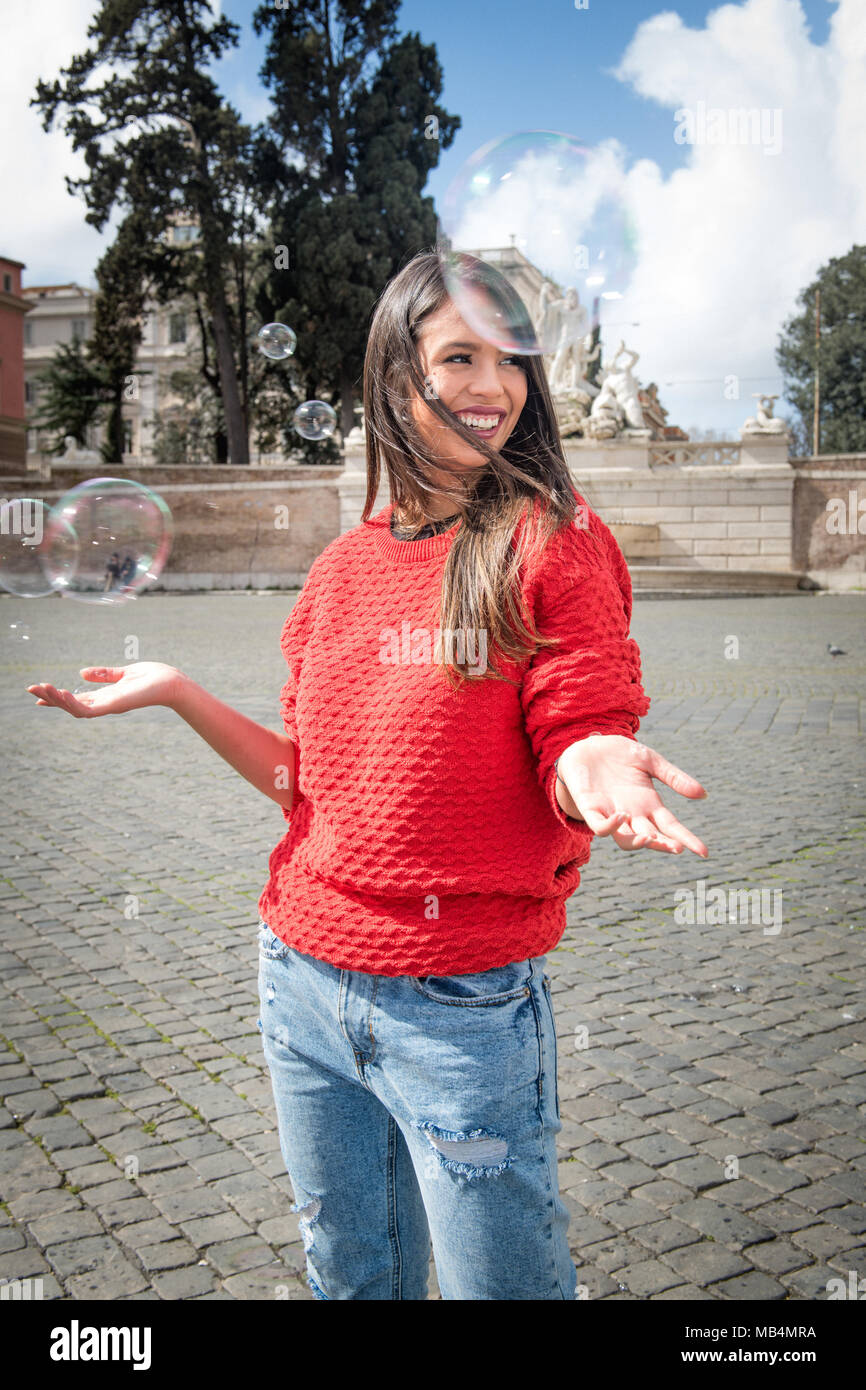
point(412, 1109)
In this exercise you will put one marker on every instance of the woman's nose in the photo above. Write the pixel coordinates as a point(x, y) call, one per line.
point(487, 380)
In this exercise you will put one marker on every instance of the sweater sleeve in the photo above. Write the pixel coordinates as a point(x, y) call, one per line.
point(292, 641)
point(591, 681)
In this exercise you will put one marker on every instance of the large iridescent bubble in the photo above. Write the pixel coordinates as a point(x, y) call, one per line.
point(124, 533)
point(31, 552)
point(562, 204)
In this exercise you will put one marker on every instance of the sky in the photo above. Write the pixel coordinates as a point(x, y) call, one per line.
point(726, 230)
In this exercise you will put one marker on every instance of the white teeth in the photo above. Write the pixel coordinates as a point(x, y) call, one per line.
point(480, 422)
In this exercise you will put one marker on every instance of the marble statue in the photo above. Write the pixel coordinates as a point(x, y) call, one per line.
point(763, 421)
point(572, 353)
point(356, 438)
point(617, 406)
point(73, 454)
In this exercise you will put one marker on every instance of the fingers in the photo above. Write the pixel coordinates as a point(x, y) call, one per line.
point(61, 699)
point(669, 825)
point(598, 822)
point(673, 776)
point(645, 835)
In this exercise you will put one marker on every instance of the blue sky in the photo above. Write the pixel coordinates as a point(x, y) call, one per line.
point(546, 66)
point(726, 235)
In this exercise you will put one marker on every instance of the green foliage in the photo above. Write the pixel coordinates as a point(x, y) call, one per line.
point(71, 391)
point(337, 171)
point(158, 140)
point(842, 358)
point(342, 169)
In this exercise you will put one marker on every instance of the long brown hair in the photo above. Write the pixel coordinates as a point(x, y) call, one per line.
point(527, 478)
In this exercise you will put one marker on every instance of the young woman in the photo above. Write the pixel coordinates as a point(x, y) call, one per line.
point(460, 716)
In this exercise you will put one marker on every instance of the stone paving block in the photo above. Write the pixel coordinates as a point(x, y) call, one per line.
point(42, 1203)
point(810, 1283)
point(778, 1256)
point(628, 1213)
point(648, 1278)
point(657, 1149)
point(670, 1234)
point(187, 1282)
point(84, 1254)
point(686, 1293)
point(137, 1234)
point(724, 1224)
point(220, 1165)
point(23, 1263)
point(242, 1253)
point(851, 1218)
point(254, 1197)
point(132, 1209)
point(705, 1263)
point(106, 1194)
point(753, 1286)
point(12, 1237)
point(167, 1254)
point(94, 1174)
point(768, 1172)
point(593, 1283)
point(271, 1281)
point(784, 1216)
point(629, 1173)
point(209, 1230)
point(613, 1253)
point(67, 1225)
point(698, 1172)
point(823, 1241)
point(819, 1197)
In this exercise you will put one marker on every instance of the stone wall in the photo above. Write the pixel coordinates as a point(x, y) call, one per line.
point(830, 542)
point(262, 527)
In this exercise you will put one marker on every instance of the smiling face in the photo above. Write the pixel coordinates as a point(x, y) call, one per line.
point(481, 383)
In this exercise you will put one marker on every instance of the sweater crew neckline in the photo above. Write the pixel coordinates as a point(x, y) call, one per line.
point(409, 552)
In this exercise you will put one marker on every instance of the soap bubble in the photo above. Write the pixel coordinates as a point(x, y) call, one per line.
point(563, 205)
point(19, 632)
point(277, 341)
point(124, 535)
point(315, 420)
point(28, 554)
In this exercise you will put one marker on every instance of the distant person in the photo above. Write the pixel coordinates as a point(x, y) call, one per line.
point(438, 813)
point(127, 570)
point(112, 570)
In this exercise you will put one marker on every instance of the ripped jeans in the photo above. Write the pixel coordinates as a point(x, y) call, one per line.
point(418, 1108)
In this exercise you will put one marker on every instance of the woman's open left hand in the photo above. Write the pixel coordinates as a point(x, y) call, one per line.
point(610, 780)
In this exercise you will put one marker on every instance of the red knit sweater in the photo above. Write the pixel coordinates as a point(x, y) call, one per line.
point(425, 837)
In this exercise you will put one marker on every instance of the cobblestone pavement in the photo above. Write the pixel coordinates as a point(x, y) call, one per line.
point(712, 1073)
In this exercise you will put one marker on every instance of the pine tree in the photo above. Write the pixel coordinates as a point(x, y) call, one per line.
point(164, 142)
point(841, 355)
point(355, 131)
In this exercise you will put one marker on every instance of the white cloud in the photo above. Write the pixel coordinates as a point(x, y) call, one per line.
point(729, 240)
point(43, 224)
point(726, 242)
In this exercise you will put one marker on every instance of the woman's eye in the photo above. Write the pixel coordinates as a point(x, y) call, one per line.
point(464, 357)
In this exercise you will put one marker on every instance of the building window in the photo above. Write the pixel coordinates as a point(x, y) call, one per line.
point(7, 283)
point(29, 394)
point(127, 436)
point(185, 233)
point(177, 328)
point(28, 333)
point(78, 330)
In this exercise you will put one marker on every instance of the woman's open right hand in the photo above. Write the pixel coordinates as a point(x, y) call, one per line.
point(123, 688)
